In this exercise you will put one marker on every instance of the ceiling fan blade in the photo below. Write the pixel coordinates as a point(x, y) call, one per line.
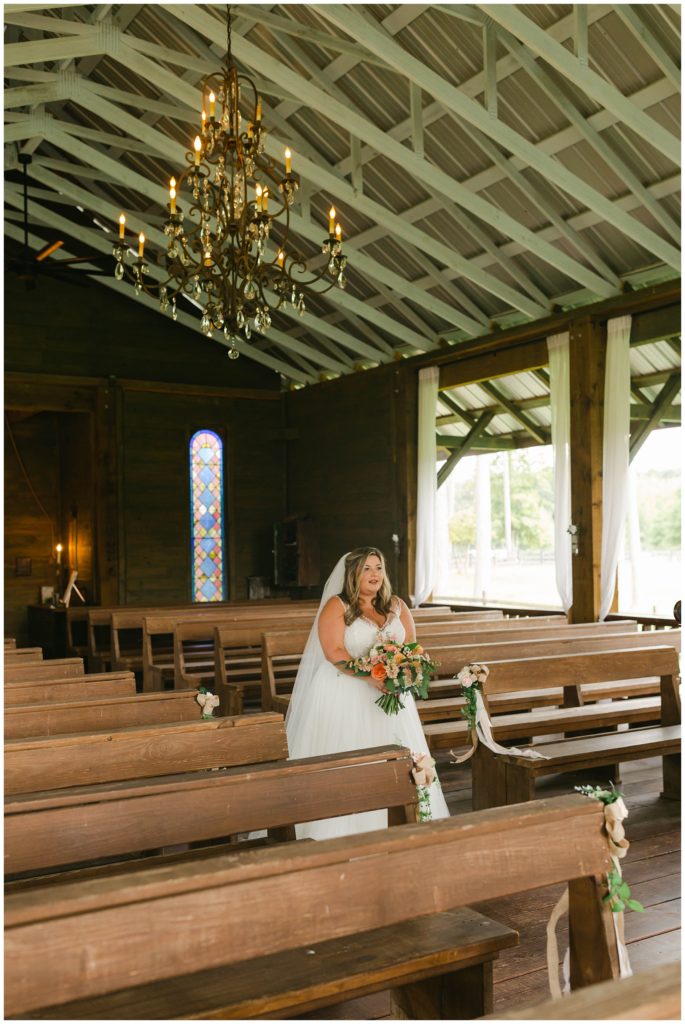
point(48, 250)
point(95, 258)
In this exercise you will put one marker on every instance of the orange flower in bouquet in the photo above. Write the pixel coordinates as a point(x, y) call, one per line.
point(405, 668)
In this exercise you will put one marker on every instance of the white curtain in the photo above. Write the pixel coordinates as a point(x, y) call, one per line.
point(560, 403)
point(425, 574)
point(615, 461)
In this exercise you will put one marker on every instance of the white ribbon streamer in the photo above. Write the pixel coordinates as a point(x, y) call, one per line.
point(483, 734)
point(614, 813)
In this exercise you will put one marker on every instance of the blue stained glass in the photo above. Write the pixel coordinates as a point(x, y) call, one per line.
point(207, 527)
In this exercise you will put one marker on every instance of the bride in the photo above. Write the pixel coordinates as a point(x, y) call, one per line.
point(332, 710)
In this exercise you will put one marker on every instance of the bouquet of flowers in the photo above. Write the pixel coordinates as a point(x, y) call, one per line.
point(404, 668)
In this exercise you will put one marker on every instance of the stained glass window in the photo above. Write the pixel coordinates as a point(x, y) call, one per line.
point(207, 516)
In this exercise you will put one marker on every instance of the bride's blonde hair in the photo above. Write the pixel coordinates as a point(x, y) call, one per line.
point(354, 564)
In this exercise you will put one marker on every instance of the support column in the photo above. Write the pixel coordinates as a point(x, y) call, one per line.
point(587, 364)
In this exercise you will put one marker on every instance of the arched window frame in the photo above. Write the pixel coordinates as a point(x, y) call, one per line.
point(195, 539)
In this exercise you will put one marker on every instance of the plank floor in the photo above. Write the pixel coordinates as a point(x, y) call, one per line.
point(652, 869)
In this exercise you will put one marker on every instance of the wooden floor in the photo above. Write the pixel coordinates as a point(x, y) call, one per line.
point(652, 869)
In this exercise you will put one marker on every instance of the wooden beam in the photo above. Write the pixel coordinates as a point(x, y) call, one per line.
point(539, 433)
point(488, 365)
point(489, 443)
point(661, 405)
point(580, 34)
point(587, 362)
point(656, 325)
point(591, 83)
point(490, 66)
point(637, 302)
point(416, 107)
point(461, 413)
point(630, 15)
point(478, 428)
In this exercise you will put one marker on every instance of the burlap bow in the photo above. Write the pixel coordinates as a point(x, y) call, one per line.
point(423, 772)
point(207, 701)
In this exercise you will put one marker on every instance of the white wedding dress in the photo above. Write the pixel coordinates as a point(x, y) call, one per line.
point(336, 712)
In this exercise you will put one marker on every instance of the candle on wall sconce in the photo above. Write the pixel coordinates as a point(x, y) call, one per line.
point(59, 550)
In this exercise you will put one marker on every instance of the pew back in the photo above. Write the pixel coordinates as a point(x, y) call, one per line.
point(57, 668)
point(59, 691)
point(79, 716)
point(142, 752)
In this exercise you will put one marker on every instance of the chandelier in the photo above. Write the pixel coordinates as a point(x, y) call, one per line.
point(232, 255)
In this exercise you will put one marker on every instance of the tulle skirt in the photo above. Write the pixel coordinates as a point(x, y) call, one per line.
point(337, 713)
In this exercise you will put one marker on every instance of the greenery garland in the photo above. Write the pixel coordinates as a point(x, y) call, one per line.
point(619, 896)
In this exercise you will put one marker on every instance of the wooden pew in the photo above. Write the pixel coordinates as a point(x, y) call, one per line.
point(501, 779)
point(240, 647)
point(81, 716)
point(158, 631)
point(23, 655)
point(77, 630)
point(56, 691)
point(54, 829)
point(650, 995)
point(142, 752)
point(56, 668)
point(443, 706)
point(232, 935)
point(281, 652)
point(100, 640)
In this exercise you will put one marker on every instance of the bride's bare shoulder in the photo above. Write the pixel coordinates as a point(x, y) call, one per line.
point(334, 608)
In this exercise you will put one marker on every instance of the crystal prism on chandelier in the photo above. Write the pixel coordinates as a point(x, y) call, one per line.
point(231, 254)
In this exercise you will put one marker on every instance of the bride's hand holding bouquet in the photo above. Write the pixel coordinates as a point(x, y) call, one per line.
point(395, 669)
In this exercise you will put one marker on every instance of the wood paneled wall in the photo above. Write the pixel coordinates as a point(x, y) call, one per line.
point(350, 465)
point(156, 429)
point(104, 396)
point(28, 532)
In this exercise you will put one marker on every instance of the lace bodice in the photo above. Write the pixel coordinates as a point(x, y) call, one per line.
point(363, 634)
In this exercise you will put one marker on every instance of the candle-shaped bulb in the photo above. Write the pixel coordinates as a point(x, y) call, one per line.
point(141, 245)
point(250, 129)
point(172, 199)
point(59, 549)
point(212, 104)
point(258, 111)
point(265, 200)
point(204, 120)
point(197, 146)
point(338, 233)
point(288, 162)
point(331, 220)
point(258, 192)
point(122, 223)
point(281, 257)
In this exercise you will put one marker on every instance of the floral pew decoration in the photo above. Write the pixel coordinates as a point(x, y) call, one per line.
point(424, 775)
point(207, 701)
point(618, 894)
point(471, 678)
